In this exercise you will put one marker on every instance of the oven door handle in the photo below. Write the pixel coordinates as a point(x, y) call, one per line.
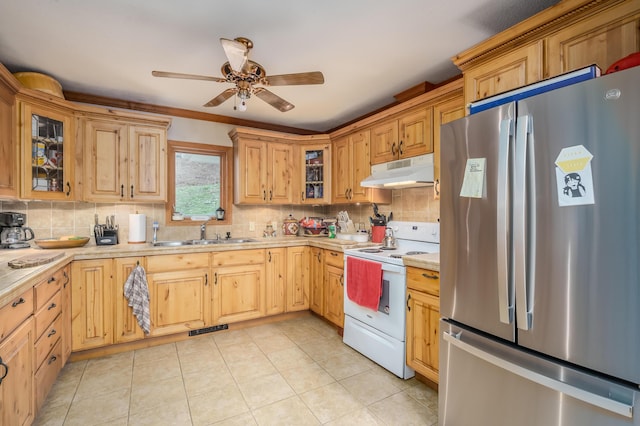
point(386, 267)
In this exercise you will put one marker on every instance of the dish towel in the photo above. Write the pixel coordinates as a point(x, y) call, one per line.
point(136, 290)
point(364, 282)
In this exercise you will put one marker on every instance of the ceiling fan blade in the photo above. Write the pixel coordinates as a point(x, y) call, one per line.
point(187, 76)
point(237, 53)
point(313, 77)
point(273, 99)
point(221, 98)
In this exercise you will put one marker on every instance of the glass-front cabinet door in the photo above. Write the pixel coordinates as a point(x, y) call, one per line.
point(316, 174)
point(47, 150)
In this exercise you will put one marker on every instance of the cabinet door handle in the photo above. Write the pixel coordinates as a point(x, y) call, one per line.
point(269, 256)
point(121, 190)
point(51, 280)
point(131, 191)
point(52, 359)
point(401, 143)
point(66, 278)
point(302, 195)
point(393, 149)
point(18, 302)
point(351, 193)
point(408, 298)
point(206, 279)
point(6, 370)
point(342, 280)
point(346, 193)
point(264, 195)
point(319, 257)
point(436, 186)
point(52, 332)
point(430, 276)
point(68, 189)
point(215, 278)
point(51, 306)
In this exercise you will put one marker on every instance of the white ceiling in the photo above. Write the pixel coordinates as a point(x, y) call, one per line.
point(367, 50)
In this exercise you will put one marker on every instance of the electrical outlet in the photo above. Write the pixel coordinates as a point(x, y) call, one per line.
point(252, 226)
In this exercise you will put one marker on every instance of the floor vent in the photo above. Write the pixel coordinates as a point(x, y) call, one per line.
point(209, 329)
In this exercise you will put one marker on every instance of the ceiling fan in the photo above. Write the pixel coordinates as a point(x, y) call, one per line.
point(246, 74)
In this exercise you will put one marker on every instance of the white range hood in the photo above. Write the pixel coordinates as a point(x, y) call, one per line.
point(408, 173)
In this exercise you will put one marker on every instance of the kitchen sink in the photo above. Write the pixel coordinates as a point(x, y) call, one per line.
point(178, 243)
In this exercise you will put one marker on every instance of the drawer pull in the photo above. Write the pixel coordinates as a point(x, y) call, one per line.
point(334, 254)
point(52, 359)
point(18, 302)
point(430, 276)
point(51, 306)
point(52, 332)
point(66, 278)
point(51, 280)
point(6, 370)
point(408, 299)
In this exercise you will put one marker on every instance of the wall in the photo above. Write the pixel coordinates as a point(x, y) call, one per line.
point(55, 219)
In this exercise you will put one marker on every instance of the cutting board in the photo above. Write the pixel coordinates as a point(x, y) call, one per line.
point(34, 260)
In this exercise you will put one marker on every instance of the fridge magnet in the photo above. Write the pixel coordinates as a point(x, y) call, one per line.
point(474, 177)
point(574, 180)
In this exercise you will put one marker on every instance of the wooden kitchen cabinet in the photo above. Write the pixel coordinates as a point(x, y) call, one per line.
point(298, 278)
point(315, 174)
point(423, 316)
point(10, 172)
point(444, 112)
point(238, 285)
point(17, 393)
point(125, 324)
point(334, 287)
point(276, 280)
point(124, 161)
point(406, 136)
point(180, 292)
point(91, 304)
point(264, 171)
point(351, 164)
point(316, 277)
point(48, 152)
point(66, 313)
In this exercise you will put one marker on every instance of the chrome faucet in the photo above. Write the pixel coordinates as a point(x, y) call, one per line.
point(155, 231)
point(203, 231)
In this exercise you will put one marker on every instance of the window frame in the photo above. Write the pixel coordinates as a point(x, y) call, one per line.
point(226, 176)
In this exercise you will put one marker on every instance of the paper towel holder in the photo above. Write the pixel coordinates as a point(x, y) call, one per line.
point(220, 213)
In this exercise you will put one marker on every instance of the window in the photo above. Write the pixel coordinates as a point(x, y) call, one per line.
point(200, 181)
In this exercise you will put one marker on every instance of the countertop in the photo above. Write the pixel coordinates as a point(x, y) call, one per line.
point(426, 261)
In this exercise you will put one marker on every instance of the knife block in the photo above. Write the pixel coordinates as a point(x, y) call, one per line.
point(109, 238)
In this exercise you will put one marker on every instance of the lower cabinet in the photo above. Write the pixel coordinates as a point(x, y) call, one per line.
point(276, 280)
point(17, 359)
point(239, 288)
point(297, 279)
point(334, 287)
point(316, 285)
point(125, 324)
point(423, 315)
point(180, 292)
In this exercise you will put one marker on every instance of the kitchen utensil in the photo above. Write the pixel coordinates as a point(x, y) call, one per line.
point(34, 260)
point(389, 242)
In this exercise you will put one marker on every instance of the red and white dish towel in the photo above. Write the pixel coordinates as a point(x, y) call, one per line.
point(364, 282)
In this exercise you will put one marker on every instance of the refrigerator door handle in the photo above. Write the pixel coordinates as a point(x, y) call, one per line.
point(579, 393)
point(505, 292)
point(523, 311)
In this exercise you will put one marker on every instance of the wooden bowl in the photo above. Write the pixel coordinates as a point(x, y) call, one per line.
point(54, 243)
point(38, 81)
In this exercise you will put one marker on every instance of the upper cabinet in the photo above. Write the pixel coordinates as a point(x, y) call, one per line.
point(8, 147)
point(315, 173)
point(47, 144)
point(406, 136)
point(565, 37)
point(124, 159)
point(351, 165)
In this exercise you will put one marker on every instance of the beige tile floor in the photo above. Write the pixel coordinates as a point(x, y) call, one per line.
point(295, 372)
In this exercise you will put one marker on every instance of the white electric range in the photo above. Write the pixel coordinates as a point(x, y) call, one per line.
point(380, 335)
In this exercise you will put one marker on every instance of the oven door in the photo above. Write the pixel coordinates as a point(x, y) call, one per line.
point(390, 318)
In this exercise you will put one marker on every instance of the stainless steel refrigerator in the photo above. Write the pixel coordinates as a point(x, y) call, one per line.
point(539, 258)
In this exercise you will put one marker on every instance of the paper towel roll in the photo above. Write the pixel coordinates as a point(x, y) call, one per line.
point(137, 228)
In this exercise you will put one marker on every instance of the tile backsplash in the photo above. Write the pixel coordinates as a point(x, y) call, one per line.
point(54, 219)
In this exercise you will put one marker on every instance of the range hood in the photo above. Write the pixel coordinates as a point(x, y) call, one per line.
point(408, 173)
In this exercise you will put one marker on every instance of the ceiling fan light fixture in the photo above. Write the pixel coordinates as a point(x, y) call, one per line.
point(242, 106)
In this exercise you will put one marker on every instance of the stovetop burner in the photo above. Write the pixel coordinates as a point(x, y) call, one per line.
point(413, 253)
point(387, 248)
point(370, 250)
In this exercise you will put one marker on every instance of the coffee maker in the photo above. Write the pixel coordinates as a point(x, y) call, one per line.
point(13, 233)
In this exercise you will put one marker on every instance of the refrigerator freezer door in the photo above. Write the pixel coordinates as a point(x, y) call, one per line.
point(476, 288)
point(583, 273)
point(485, 382)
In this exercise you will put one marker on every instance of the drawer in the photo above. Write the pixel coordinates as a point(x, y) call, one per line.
point(46, 314)
point(424, 280)
point(48, 340)
point(334, 258)
point(238, 257)
point(16, 311)
point(47, 374)
point(47, 287)
point(173, 262)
